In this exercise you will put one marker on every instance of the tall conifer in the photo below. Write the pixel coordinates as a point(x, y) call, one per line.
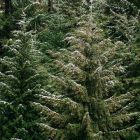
point(19, 82)
point(84, 98)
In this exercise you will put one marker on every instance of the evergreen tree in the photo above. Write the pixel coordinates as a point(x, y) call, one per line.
point(126, 29)
point(58, 23)
point(85, 97)
point(132, 76)
point(92, 70)
point(20, 82)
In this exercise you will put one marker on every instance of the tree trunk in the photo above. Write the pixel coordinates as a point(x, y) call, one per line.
point(8, 7)
point(50, 5)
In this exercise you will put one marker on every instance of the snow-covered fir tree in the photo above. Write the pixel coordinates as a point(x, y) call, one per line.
point(84, 98)
point(90, 89)
point(19, 83)
point(126, 29)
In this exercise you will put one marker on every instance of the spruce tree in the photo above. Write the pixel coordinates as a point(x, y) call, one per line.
point(92, 86)
point(20, 82)
point(127, 21)
point(85, 97)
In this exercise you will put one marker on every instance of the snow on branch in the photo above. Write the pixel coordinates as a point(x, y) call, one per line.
point(114, 103)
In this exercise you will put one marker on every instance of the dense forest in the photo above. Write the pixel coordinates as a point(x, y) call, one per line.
point(70, 70)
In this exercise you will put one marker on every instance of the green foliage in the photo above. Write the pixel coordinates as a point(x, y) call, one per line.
point(85, 86)
point(135, 2)
point(132, 136)
point(51, 36)
point(19, 85)
point(21, 3)
point(88, 68)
